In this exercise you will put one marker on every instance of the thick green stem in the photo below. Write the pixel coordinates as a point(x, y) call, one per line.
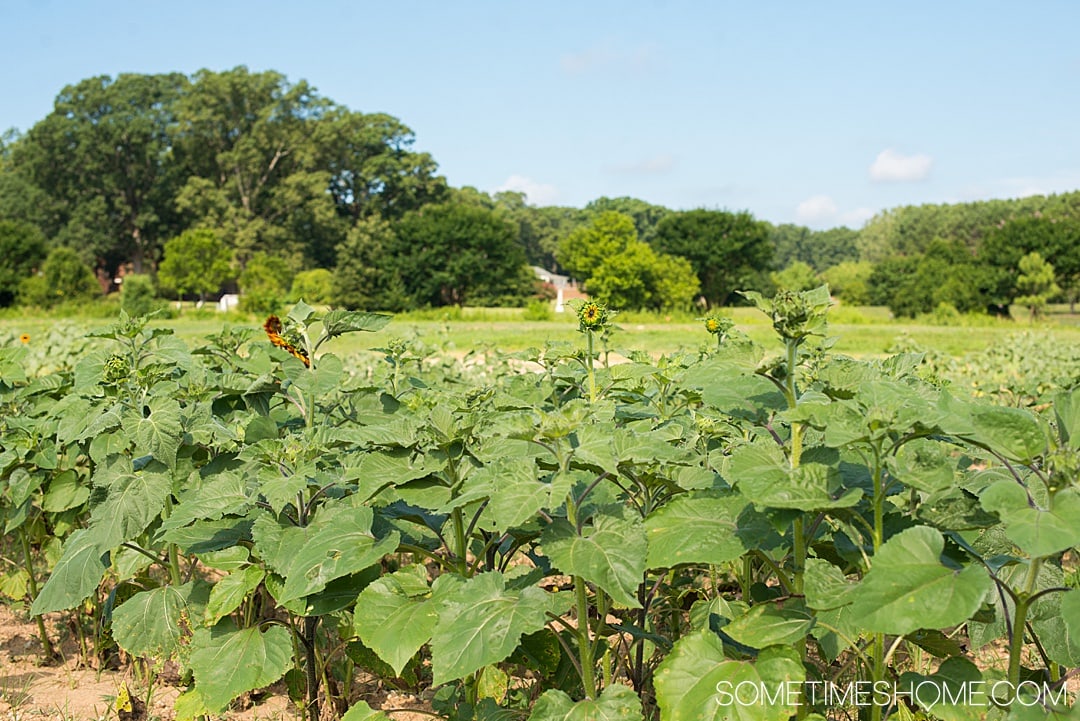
point(28, 559)
point(311, 625)
point(637, 672)
point(879, 503)
point(798, 532)
point(585, 647)
point(877, 671)
point(173, 553)
point(877, 651)
point(581, 594)
point(174, 565)
point(799, 552)
point(1023, 605)
point(792, 364)
point(461, 546)
point(592, 373)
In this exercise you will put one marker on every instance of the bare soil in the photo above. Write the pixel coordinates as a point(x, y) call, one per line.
point(73, 691)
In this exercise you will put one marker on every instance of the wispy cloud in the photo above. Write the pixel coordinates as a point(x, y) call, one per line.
point(535, 192)
point(1023, 187)
point(653, 165)
point(821, 211)
point(606, 55)
point(816, 210)
point(891, 166)
point(1062, 181)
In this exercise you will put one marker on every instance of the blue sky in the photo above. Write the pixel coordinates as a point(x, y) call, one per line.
point(820, 113)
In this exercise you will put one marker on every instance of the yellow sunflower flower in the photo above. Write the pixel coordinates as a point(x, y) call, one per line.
point(592, 316)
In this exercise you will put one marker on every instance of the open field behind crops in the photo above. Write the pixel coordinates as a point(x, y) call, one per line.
point(860, 332)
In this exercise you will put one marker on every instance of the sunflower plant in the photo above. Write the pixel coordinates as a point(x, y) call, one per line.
point(593, 318)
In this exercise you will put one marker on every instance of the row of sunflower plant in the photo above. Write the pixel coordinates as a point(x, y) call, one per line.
point(724, 533)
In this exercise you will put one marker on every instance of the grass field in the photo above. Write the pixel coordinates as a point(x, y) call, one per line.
point(860, 332)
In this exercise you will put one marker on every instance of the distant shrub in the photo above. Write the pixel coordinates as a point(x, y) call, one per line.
point(138, 295)
point(848, 281)
point(846, 315)
point(263, 284)
point(64, 277)
point(539, 310)
point(313, 286)
point(22, 248)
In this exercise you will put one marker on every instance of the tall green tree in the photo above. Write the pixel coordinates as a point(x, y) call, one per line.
point(798, 276)
point(196, 261)
point(645, 215)
point(458, 254)
point(819, 249)
point(588, 247)
point(638, 277)
point(64, 277)
point(22, 249)
point(366, 278)
point(621, 271)
point(373, 168)
point(245, 143)
point(103, 156)
point(1057, 241)
point(20, 199)
point(264, 283)
point(946, 273)
point(848, 281)
point(1035, 284)
point(728, 251)
point(539, 228)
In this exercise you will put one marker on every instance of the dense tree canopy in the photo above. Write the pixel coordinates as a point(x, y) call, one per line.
point(64, 277)
point(620, 270)
point(588, 247)
point(1057, 241)
point(121, 165)
point(104, 158)
point(820, 249)
point(277, 171)
point(1035, 283)
point(728, 251)
point(364, 279)
point(196, 261)
point(457, 255)
point(645, 215)
point(22, 249)
point(947, 273)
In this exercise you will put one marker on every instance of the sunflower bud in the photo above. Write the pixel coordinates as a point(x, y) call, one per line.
point(592, 316)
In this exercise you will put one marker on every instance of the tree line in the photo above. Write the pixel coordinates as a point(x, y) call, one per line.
point(190, 185)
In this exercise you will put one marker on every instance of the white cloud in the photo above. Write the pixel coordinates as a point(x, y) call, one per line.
point(821, 211)
point(655, 165)
point(893, 166)
point(816, 210)
point(536, 193)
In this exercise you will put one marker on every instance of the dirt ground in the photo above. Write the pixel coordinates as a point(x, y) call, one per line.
point(69, 691)
point(30, 691)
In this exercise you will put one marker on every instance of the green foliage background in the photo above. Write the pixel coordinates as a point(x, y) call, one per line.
point(124, 165)
point(576, 538)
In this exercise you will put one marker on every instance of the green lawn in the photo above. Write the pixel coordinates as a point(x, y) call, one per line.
point(860, 331)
